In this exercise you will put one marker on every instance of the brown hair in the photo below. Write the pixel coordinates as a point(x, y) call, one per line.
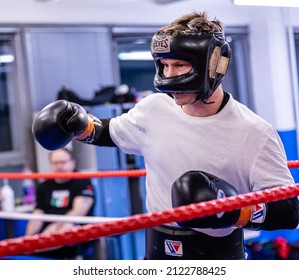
point(198, 21)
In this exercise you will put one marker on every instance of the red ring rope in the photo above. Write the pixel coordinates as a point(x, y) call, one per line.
point(98, 174)
point(74, 175)
point(29, 244)
point(293, 164)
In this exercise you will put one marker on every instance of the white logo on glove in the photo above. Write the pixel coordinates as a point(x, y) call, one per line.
point(220, 194)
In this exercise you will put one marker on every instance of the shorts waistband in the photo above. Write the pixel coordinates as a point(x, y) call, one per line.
point(176, 230)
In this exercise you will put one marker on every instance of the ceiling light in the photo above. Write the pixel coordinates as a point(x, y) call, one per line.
point(141, 55)
point(42, 1)
point(6, 58)
point(272, 3)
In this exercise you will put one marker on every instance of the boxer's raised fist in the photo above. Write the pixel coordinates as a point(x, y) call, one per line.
point(58, 123)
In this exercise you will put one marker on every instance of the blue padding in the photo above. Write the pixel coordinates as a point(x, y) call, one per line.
point(2, 229)
point(112, 248)
point(126, 246)
point(139, 244)
point(24, 258)
point(99, 208)
point(117, 200)
point(19, 227)
point(289, 139)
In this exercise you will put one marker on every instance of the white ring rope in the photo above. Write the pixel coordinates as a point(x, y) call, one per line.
point(55, 218)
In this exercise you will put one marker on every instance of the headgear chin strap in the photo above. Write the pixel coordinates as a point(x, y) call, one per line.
point(208, 53)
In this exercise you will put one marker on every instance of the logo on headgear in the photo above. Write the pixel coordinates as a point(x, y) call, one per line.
point(161, 43)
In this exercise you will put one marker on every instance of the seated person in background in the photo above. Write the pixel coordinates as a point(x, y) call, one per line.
point(69, 197)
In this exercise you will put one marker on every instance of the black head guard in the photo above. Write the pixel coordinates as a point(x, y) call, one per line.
point(208, 53)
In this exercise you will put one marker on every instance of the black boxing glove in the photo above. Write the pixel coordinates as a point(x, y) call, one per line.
point(59, 122)
point(198, 186)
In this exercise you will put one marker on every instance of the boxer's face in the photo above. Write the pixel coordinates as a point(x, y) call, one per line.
point(175, 67)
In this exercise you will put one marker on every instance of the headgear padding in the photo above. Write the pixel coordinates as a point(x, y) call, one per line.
point(208, 53)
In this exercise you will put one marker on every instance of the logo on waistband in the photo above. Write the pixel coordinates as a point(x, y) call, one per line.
point(173, 248)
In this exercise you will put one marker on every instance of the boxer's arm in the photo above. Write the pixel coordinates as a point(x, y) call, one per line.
point(100, 136)
point(283, 214)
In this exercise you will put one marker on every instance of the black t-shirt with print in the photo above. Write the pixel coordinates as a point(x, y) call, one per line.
point(57, 199)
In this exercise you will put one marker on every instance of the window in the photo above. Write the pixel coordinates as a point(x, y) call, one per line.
point(7, 58)
point(296, 36)
point(12, 144)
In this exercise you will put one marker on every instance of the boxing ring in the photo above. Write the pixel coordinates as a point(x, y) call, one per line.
point(97, 227)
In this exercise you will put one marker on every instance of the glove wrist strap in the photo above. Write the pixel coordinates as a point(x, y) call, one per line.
point(245, 215)
point(258, 216)
point(87, 132)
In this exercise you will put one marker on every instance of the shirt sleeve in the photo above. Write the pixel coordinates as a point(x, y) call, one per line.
point(84, 188)
point(40, 198)
point(270, 168)
point(129, 130)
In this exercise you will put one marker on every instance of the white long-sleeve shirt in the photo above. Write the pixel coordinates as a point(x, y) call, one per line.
point(235, 144)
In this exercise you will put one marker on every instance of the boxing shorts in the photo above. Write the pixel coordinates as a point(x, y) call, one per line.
point(170, 243)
